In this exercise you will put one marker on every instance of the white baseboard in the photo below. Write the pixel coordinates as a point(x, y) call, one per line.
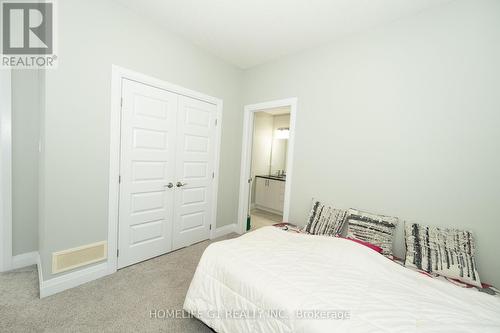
point(25, 259)
point(70, 280)
point(227, 229)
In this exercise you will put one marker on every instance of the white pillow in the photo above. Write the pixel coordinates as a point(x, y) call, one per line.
point(372, 228)
point(442, 251)
point(325, 220)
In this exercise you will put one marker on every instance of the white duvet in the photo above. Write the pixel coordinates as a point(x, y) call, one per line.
point(268, 280)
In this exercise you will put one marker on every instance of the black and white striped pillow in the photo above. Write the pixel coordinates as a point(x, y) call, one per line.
point(325, 220)
point(443, 251)
point(374, 229)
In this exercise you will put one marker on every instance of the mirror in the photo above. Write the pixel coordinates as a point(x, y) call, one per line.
point(279, 147)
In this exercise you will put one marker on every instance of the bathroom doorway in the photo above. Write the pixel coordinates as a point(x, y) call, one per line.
point(266, 164)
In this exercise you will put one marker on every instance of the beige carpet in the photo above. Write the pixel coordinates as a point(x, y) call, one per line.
point(121, 302)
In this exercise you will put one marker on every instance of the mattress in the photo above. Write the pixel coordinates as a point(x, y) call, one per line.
point(270, 280)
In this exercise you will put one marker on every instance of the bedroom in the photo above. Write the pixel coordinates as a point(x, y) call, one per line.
point(396, 114)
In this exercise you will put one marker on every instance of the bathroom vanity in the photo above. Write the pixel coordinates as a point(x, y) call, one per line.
point(270, 193)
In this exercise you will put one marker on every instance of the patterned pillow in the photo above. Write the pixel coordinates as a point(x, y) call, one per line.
point(375, 229)
point(447, 252)
point(325, 220)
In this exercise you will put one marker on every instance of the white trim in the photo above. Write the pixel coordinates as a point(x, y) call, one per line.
point(215, 187)
point(114, 169)
point(246, 156)
point(5, 170)
point(24, 260)
point(224, 230)
point(118, 74)
point(70, 280)
point(40, 272)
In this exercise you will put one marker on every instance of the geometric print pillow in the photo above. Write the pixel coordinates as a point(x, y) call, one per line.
point(325, 220)
point(442, 251)
point(372, 228)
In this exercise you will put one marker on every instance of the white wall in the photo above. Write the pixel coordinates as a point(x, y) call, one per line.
point(262, 142)
point(25, 137)
point(92, 36)
point(5, 169)
point(402, 120)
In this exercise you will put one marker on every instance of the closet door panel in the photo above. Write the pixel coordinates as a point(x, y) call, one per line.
point(147, 165)
point(195, 155)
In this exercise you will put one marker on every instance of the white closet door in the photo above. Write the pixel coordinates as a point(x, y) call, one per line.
point(195, 165)
point(148, 144)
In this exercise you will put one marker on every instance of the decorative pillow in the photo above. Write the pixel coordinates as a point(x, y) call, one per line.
point(447, 252)
point(325, 220)
point(374, 229)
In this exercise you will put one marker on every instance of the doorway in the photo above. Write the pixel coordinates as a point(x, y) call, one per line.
point(266, 168)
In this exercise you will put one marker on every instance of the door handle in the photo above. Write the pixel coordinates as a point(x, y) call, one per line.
point(169, 185)
point(179, 184)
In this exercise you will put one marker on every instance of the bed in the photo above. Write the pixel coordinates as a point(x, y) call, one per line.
point(270, 280)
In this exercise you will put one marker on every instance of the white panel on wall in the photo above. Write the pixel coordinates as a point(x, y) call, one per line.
point(192, 221)
point(197, 117)
point(195, 170)
point(149, 107)
point(196, 144)
point(146, 231)
point(149, 139)
point(148, 170)
point(194, 195)
point(142, 202)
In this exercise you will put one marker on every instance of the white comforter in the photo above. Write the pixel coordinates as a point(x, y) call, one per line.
point(261, 281)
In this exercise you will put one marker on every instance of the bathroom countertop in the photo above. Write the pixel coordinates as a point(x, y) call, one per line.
point(280, 178)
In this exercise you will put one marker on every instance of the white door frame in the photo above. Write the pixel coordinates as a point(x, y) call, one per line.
point(117, 75)
point(5, 170)
point(246, 156)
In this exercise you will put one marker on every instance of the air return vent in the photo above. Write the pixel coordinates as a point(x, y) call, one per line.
point(78, 256)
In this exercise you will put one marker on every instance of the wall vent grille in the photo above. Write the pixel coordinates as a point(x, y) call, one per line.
point(78, 256)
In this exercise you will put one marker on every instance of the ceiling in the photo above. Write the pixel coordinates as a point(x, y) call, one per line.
point(247, 33)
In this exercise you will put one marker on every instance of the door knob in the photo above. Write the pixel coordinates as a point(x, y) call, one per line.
point(169, 185)
point(179, 184)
